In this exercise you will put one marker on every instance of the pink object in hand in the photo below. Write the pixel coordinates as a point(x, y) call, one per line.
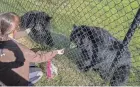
point(48, 69)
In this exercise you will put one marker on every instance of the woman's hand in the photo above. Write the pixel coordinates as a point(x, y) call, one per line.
point(60, 52)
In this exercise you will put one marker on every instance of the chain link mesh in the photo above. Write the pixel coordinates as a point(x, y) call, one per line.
point(100, 27)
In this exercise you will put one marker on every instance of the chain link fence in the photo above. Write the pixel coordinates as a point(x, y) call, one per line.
point(94, 34)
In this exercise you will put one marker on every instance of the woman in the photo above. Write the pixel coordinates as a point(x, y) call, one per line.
point(14, 57)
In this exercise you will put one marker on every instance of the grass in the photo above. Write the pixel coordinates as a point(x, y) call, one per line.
point(112, 15)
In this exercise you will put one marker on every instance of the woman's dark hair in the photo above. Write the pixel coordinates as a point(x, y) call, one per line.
point(6, 21)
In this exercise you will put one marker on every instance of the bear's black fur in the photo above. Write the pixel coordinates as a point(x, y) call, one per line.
point(39, 23)
point(98, 49)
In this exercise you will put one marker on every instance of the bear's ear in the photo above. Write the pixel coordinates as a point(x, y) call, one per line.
point(74, 26)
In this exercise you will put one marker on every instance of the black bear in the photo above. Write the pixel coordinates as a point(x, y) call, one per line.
point(39, 23)
point(98, 49)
